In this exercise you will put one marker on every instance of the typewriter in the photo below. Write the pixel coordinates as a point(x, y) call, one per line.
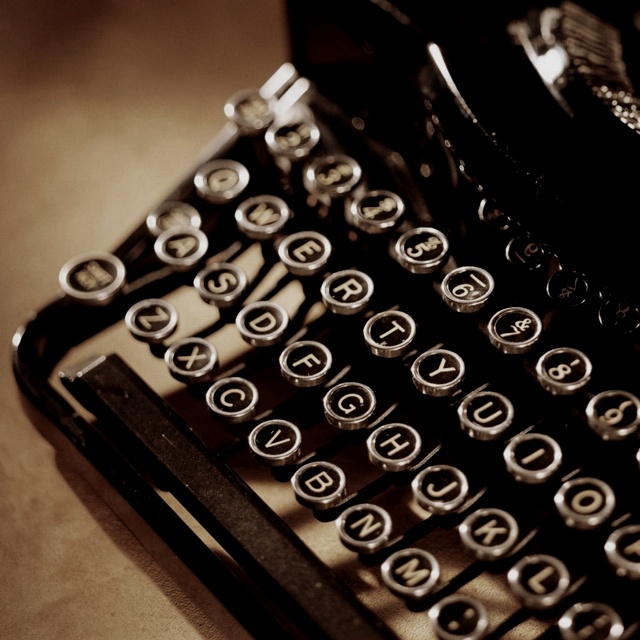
point(371, 369)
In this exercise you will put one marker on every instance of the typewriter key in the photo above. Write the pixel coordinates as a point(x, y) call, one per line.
point(364, 528)
point(172, 214)
point(305, 253)
point(485, 415)
point(623, 551)
point(591, 621)
point(585, 503)
point(568, 288)
point(376, 211)
point(459, 617)
point(411, 573)
point(93, 278)
point(191, 359)
point(532, 457)
point(249, 110)
point(440, 489)
point(152, 320)
point(262, 323)
point(181, 247)
point(394, 447)
point(525, 253)
point(613, 415)
point(438, 372)
point(489, 533)
point(319, 485)
point(347, 292)
point(333, 176)
point(467, 289)
point(349, 405)
point(221, 284)
point(220, 181)
point(389, 334)
point(563, 371)
point(232, 399)
point(262, 217)
point(293, 140)
point(514, 329)
point(422, 250)
point(275, 442)
point(539, 581)
point(306, 363)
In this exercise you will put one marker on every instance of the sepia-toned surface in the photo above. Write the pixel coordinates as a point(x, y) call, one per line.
point(103, 108)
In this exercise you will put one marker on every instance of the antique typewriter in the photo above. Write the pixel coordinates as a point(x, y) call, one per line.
point(371, 369)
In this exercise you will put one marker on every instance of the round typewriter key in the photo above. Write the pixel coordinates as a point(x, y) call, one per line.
point(394, 447)
point(563, 371)
point(172, 214)
point(349, 405)
point(333, 176)
point(532, 457)
point(591, 621)
point(492, 215)
point(293, 140)
point(275, 442)
point(93, 278)
point(306, 363)
point(485, 415)
point(389, 334)
point(376, 211)
point(181, 247)
point(525, 253)
point(319, 485)
point(191, 359)
point(262, 217)
point(619, 315)
point(262, 323)
point(411, 573)
point(440, 489)
point(623, 551)
point(459, 617)
point(221, 284)
point(249, 110)
point(489, 533)
point(220, 181)
point(422, 250)
point(347, 292)
point(305, 253)
point(364, 528)
point(467, 289)
point(514, 329)
point(232, 399)
point(438, 372)
point(613, 415)
point(539, 581)
point(568, 288)
point(151, 320)
point(585, 503)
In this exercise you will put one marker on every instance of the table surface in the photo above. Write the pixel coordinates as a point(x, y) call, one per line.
point(104, 107)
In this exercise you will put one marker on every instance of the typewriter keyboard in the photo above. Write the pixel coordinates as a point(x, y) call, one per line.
point(398, 418)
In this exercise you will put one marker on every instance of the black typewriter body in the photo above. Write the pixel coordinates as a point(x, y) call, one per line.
point(370, 369)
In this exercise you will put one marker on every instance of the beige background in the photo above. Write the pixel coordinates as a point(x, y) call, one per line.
point(103, 107)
